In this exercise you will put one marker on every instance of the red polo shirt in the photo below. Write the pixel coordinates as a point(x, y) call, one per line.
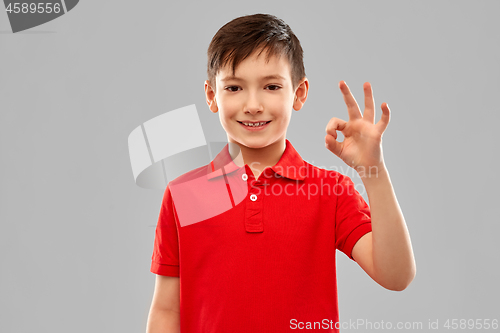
point(258, 255)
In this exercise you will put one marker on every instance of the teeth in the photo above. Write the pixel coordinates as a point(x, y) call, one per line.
point(256, 124)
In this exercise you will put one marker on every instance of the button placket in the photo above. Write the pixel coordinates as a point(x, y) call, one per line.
point(253, 215)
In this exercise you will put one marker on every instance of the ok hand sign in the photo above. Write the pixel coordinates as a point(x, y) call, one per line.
point(362, 145)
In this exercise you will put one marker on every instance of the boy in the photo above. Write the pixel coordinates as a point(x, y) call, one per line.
point(267, 264)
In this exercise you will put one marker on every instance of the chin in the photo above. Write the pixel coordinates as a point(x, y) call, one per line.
point(255, 143)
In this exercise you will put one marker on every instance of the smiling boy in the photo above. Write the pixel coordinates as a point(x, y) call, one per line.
point(268, 263)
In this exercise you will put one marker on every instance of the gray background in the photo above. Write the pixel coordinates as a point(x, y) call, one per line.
point(77, 233)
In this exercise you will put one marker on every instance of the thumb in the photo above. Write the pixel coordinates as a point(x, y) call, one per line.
point(333, 145)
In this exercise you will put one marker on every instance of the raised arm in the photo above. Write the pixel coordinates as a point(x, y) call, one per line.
point(385, 253)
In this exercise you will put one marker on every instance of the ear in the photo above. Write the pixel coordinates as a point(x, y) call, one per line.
point(301, 94)
point(210, 97)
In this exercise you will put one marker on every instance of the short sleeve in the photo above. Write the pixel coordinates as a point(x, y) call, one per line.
point(352, 216)
point(165, 258)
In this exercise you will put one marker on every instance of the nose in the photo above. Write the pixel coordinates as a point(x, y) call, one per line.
point(253, 105)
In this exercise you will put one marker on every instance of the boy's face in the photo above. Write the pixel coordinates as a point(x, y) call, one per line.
point(250, 96)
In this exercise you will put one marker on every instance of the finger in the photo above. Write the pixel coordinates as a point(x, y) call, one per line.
point(350, 101)
point(334, 125)
point(369, 113)
point(386, 117)
point(333, 145)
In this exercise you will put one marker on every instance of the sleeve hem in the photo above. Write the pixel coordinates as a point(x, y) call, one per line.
point(162, 269)
point(354, 236)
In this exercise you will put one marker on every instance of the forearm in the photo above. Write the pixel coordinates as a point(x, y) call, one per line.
point(163, 321)
point(393, 260)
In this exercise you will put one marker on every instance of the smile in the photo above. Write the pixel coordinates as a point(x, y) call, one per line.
point(254, 126)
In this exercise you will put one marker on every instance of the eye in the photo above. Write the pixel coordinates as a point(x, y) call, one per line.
point(231, 87)
point(274, 86)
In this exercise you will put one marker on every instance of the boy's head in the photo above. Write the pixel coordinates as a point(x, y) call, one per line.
point(238, 39)
point(241, 56)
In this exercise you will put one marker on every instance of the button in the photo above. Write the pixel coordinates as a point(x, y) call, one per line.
point(244, 176)
point(253, 197)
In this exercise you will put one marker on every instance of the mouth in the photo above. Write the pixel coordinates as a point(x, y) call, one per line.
point(254, 126)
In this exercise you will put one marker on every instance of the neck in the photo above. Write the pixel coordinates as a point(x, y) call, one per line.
point(257, 158)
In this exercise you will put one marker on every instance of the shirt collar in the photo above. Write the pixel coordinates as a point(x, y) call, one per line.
point(290, 165)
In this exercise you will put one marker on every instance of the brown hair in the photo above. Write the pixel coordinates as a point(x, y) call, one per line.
point(239, 38)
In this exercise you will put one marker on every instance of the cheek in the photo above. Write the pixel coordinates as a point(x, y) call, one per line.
point(227, 118)
point(286, 121)
point(228, 107)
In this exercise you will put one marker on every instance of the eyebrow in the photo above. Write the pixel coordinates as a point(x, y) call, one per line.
point(274, 76)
